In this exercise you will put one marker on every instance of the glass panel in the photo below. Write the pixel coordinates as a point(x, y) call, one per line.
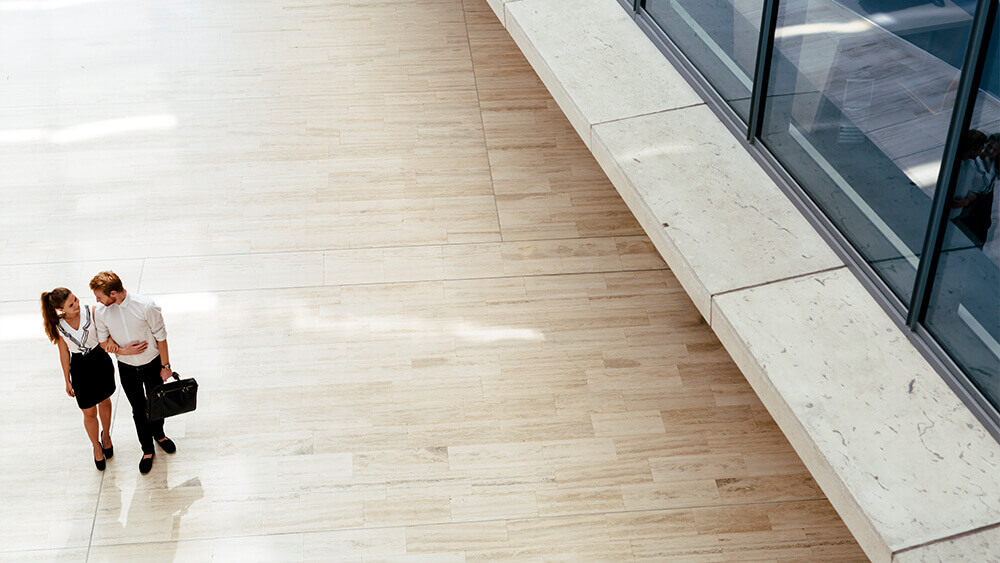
point(720, 38)
point(964, 313)
point(858, 109)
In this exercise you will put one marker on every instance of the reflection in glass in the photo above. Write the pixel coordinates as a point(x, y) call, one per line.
point(858, 109)
point(719, 37)
point(964, 312)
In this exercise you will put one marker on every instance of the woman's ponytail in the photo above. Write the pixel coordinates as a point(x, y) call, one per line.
point(50, 300)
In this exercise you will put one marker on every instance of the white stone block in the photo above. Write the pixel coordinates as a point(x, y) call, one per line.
point(723, 223)
point(971, 548)
point(497, 7)
point(902, 459)
point(595, 61)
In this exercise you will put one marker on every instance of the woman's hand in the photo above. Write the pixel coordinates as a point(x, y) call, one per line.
point(133, 348)
point(69, 389)
point(112, 347)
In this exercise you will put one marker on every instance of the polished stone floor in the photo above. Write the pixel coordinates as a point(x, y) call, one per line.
point(425, 325)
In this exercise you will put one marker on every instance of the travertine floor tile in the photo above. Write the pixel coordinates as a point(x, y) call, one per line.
point(671, 494)
point(454, 537)
point(561, 530)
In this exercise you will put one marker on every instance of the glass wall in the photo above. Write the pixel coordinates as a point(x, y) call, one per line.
point(858, 113)
point(859, 100)
point(964, 312)
point(719, 37)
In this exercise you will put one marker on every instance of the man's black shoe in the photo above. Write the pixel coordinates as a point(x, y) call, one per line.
point(145, 464)
point(167, 445)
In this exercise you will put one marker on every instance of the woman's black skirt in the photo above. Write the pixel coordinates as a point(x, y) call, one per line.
point(92, 376)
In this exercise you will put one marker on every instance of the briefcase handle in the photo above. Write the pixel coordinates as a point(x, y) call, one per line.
point(175, 375)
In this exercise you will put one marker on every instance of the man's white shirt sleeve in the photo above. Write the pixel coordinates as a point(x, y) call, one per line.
point(155, 319)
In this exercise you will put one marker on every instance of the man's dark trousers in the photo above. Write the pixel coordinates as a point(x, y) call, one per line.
point(133, 379)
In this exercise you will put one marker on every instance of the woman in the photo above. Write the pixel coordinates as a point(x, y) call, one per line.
point(87, 367)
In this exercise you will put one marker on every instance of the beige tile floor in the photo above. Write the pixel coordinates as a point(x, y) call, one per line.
point(425, 325)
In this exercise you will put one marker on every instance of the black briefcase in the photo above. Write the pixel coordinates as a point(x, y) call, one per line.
point(172, 398)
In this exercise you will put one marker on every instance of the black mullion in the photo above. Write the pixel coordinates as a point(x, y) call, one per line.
point(944, 192)
point(762, 71)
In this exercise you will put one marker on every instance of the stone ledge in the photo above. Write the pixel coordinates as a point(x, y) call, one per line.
point(723, 221)
point(576, 48)
point(907, 466)
point(497, 7)
point(901, 458)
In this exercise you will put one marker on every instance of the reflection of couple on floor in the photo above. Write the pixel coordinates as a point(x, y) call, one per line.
point(975, 208)
point(151, 500)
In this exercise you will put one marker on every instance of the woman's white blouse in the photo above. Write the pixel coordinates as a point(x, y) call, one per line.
point(83, 339)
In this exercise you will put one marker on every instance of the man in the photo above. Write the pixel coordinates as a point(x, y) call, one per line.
point(130, 318)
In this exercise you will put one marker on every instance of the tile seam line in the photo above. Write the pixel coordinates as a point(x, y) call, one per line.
point(955, 536)
point(482, 122)
point(368, 284)
point(43, 549)
point(117, 393)
point(321, 250)
point(778, 280)
point(645, 114)
point(459, 523)
point(97, 506)
point(142, 270)
point(198, 100)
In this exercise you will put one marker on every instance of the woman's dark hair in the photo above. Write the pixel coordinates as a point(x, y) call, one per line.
point(971, 143)
point(52, 300)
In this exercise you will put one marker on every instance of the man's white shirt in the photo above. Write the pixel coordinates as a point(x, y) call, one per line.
point(136, 318)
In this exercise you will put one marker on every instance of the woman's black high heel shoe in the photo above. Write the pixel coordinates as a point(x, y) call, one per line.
point(100, 463)
point(109, 452)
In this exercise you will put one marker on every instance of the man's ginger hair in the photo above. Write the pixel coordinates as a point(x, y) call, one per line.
point(106, 282)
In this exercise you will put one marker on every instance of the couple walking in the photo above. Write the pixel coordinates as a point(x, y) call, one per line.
point(128, 325)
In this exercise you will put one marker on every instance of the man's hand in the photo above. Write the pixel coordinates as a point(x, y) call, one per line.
point(133, 348)
point(966, 201)
point(165, 374)
point(69, 390)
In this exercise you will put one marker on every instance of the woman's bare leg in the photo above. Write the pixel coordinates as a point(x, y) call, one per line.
point(90, 423)
point(104, 410)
